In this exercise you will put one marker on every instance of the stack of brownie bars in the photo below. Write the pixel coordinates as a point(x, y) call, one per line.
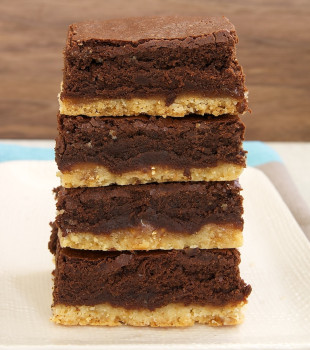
point(149, 151)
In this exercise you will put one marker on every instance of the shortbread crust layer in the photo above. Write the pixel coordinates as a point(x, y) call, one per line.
point(92, 175)
point(182, 105)
point(172, 315)
point(144, 238)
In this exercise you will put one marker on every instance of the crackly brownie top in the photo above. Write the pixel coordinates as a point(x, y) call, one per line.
point(141, 29)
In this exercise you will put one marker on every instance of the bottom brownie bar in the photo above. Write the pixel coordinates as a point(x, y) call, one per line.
point(155, 288)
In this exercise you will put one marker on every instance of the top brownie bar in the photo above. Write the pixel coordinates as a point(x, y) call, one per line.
point(153, 65)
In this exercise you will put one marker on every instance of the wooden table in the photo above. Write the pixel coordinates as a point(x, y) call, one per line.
point(274, 50)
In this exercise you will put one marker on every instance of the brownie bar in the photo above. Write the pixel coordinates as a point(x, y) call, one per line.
point(144, 65)
point(102, 151)
point(127, 283)
point(154, 216)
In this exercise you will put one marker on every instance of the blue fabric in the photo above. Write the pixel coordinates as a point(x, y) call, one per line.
point(15, 152)
point(258, 153)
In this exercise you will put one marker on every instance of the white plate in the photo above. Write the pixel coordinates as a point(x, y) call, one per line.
point(275, 261)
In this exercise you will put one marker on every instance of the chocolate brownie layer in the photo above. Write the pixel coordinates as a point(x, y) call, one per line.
point(154, 216)
point(178, 207)
point(148, 280)
point(122, 144)
point(155, 57)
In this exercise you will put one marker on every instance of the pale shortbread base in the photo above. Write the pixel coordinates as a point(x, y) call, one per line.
point(91, 175)
point(172, 315)
point(183, 105)
point(147, 238)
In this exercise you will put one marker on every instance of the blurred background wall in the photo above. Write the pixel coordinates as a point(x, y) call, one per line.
point(274, 50)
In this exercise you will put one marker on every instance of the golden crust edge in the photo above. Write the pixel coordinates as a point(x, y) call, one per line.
point(92, 175)
point(210, 236)
point(183, 105)
point(172, 315)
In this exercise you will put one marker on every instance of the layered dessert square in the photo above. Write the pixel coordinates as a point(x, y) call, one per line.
point(154, 216)
point(99, 151)
point(149, 152)
point(156, 288)
point(168, 66)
